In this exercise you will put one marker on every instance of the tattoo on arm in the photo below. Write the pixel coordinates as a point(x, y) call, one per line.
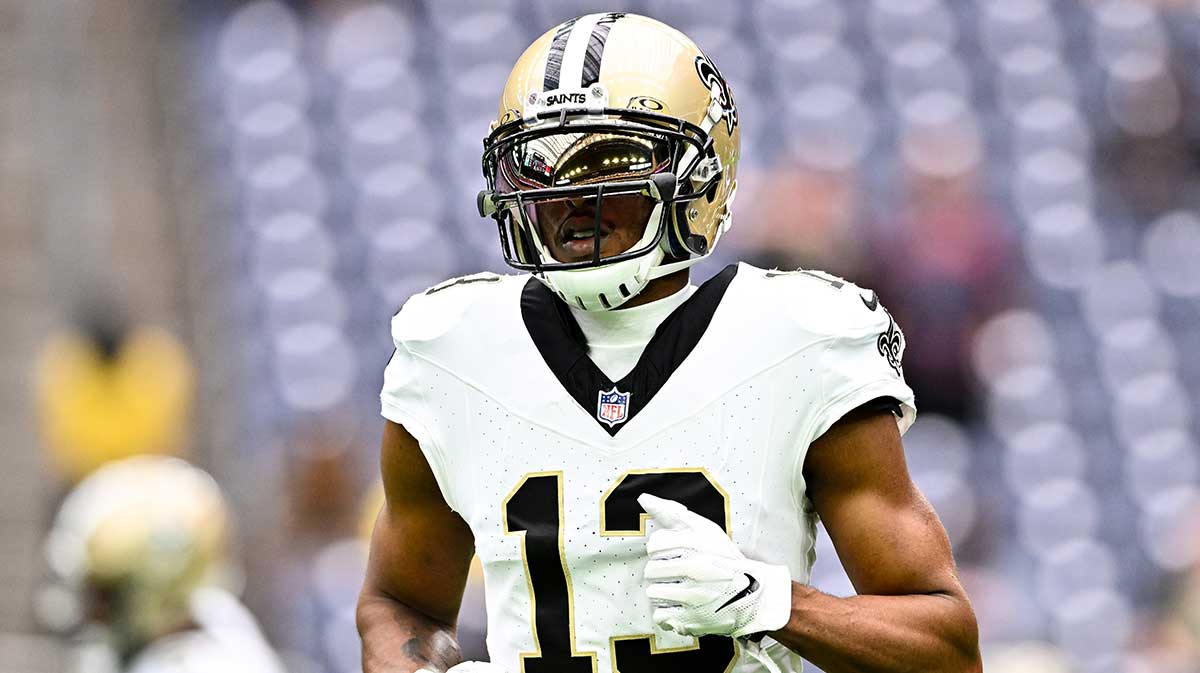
point(431, 645)
point(414, 648)
point(437, 649)
point(398, 638)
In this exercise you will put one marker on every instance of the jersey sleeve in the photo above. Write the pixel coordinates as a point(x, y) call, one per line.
point(862, 365)
point(407, 383)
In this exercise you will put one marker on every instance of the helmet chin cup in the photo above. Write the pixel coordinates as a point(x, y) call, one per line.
point(605, 287)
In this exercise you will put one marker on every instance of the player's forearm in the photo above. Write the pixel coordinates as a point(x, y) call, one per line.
point(400, 639)
point(930, 633)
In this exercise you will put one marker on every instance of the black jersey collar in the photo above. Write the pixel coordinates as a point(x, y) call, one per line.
point(564, 348)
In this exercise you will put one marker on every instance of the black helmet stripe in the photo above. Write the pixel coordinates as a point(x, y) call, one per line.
point(585, 56)
point(554, 59)
point(595, 49)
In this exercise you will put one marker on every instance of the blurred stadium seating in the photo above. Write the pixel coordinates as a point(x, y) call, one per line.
point(1067, 468)
point(1017, 179)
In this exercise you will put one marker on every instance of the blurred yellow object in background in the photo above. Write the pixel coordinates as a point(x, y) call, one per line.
point(94, 409)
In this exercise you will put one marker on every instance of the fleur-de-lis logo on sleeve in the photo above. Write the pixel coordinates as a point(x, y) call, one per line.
point(891, 346)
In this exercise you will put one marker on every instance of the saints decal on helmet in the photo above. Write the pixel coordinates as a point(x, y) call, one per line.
point(607, 120)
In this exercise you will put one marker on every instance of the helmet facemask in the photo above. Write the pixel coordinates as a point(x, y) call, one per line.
point(588, 200)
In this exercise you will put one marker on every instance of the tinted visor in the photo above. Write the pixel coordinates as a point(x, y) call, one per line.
point(569, 159)
point(593, 225)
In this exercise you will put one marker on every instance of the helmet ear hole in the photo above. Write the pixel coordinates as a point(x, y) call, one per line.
point(677, 231)
point(682, 241)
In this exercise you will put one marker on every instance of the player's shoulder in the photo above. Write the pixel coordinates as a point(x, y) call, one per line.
point(186, 652)
point(226, 638)
point(815, 301)
point(203, 651)
point(466, 301)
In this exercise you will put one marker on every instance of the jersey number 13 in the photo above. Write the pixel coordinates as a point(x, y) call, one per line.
point(534, 510)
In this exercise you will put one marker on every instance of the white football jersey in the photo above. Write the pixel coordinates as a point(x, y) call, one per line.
point(544, 457)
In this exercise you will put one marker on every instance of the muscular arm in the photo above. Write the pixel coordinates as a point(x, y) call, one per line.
point(911, 613)
point(420, 554)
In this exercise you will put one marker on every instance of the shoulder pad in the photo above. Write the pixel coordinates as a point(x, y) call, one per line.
point(822, 303)
point(434, 312)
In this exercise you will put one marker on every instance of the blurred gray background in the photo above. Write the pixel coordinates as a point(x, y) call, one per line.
point(268, 181)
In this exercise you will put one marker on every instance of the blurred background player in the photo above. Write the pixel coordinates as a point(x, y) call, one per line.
point(141, 546)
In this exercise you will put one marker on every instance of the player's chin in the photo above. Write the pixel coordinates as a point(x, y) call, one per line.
point(565, 256)
point(615, 244)
point(584, 251)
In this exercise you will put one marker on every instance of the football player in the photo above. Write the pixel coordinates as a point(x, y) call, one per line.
point(640, 463)
point(140, 544)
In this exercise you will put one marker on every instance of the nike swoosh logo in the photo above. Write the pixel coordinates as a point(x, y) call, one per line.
point(750, 588)
point(873, 304)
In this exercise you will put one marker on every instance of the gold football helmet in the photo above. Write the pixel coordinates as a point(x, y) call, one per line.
point(611, 116)
point(132, 542)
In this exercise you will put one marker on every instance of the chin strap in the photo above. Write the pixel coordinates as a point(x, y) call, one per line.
point(671, 267)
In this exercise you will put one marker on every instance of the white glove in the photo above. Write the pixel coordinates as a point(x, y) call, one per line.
point(701, 583)
point(475, 667)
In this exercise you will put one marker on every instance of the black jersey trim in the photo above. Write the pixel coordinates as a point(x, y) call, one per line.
point(881, 405)
point(563, 346)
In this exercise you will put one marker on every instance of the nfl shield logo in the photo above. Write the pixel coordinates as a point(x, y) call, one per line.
point(613, 408)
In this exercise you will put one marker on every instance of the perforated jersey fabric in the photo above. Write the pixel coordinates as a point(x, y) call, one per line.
point(550, 492)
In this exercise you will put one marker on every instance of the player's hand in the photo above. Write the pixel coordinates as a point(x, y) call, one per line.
point(475, 667)
point(701, 583)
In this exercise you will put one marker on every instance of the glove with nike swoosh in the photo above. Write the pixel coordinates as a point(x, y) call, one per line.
point(701, 583)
